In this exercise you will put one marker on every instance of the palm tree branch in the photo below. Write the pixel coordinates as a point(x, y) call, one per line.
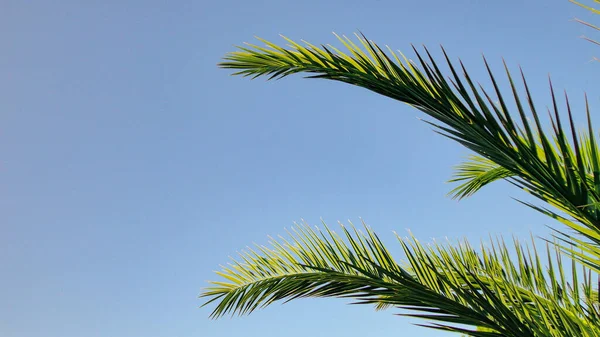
point(555, 170)
point(445, 284)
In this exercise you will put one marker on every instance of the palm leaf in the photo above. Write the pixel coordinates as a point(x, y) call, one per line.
point(559, 166)
point(450, 286)
point(475, 174)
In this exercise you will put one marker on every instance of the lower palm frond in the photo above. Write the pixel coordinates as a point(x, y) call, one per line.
point(452, 287)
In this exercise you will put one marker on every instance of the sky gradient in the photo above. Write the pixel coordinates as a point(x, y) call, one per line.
point(131, 167)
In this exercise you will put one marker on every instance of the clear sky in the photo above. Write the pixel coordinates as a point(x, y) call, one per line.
point(131, 166)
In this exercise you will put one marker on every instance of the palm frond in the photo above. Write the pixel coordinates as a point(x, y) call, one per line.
point(474, 174)
point(449, 286)
point(558, 166)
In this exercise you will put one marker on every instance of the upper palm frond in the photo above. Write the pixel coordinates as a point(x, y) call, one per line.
point(560, 167)
point(453, 286)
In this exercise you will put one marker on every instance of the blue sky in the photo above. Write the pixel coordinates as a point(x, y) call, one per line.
point(131, 166)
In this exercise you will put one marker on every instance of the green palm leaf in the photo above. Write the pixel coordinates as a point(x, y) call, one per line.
point(449, 286)
point(476, 173)
point(559, 167)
